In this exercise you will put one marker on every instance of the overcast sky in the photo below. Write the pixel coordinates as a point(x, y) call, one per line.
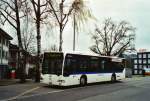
point(137, 12)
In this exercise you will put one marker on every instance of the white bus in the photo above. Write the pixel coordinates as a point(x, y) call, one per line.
point(66, 69)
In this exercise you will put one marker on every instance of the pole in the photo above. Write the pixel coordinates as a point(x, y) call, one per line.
point(74, 32)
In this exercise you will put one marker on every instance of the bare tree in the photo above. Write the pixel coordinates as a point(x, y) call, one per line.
point(11, 11)
point(112, 39)
point(40, 14)
point(28, 38)
point(57, 9)
point(52, 48)
point(62, 11)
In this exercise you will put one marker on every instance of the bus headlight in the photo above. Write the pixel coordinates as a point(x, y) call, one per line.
point(61, 81)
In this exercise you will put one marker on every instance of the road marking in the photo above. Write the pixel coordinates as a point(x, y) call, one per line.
point(20, 96)
point(26, 92)
point(56, 91)
point(40, 94)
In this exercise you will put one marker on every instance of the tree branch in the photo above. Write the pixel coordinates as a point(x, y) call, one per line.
point(65, 23)
point(53, 10)
point(34, 6)
point(8, 21)
point(8, 14)
point(122, 49)
point(8, 5)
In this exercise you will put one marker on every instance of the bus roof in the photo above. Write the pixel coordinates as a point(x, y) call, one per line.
point(88, 54)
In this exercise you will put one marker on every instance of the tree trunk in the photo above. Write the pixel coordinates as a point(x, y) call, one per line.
point(60, 39)
point(20, 56)
point(38, 16)
point(37, 76)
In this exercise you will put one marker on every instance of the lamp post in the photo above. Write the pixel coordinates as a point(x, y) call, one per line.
point(74, 32)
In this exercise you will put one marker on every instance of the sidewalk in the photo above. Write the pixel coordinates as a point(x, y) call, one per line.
point(6, 82)
point(136, 77)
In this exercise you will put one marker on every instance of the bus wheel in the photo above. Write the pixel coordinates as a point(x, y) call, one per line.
point(83, 81)
point(113, 78)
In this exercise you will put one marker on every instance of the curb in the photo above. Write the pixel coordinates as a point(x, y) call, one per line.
point(8, 82)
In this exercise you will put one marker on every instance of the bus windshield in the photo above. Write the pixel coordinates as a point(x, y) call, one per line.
point(52, 63)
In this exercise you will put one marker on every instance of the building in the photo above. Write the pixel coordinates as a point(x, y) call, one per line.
point(13, 60)
point(141, 62)
point(13, 56)
point(4, 53)
point(129, 63)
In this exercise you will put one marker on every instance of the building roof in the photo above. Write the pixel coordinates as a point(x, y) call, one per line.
point(13, 47)
point(4, 34)
point(147, 52)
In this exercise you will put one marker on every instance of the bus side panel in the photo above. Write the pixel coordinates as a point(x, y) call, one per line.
point(50, 79)
point(71, 80)
point(100, 77)
point(91, 78)
point(45, 79)
point(120, 75)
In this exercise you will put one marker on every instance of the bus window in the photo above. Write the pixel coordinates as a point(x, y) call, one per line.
point(94, 65)
point(52, 63)
point(55, 66)
point(103, 65)
point(45, 67)
point(106, 66)
point(83, 64)
point(117, 66)
point(70, 66)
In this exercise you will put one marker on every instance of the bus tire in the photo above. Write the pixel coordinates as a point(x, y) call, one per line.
point(113, 78)
point(83, 80)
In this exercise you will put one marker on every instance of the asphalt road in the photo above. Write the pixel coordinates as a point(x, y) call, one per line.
point(134, 89)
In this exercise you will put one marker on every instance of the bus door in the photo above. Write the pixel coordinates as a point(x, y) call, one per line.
point(70, 68)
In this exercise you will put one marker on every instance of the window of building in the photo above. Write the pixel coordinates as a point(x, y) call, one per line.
point(140, 61)
point(135, 66)
point(148, 61)
point(3, 54)
point(0, 52)
point(135, 71)
point(148, 55)
point(135, 61)
point(144, 55)
point(6, 55)
point(144, 61)
point(7, 43)
point(140, 66)
point(140, 55)
point(0, 39)
point(3, 41)
point(144, 66)
point(140, 71)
